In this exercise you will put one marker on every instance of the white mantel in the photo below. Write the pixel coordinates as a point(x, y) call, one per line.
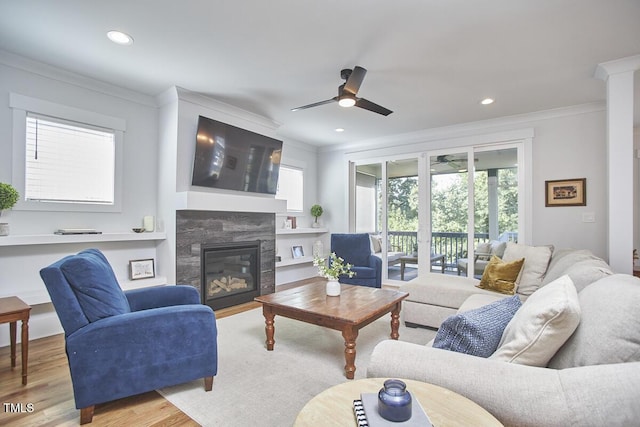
point(210, 201)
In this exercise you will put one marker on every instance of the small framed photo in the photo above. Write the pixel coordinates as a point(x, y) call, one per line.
point(566, 192)
point(141, 269)
point(297, 251)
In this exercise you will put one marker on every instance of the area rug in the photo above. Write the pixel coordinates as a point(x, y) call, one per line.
point(268, 388)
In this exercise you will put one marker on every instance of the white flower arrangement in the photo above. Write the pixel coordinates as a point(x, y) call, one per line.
point(333, 268)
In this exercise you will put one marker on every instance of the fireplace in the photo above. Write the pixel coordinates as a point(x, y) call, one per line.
point(197, 229)
point(230, 273)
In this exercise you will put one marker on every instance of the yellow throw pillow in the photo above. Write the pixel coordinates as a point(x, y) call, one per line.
point(500, 276)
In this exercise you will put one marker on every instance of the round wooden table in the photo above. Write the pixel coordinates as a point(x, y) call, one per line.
point(334, 406)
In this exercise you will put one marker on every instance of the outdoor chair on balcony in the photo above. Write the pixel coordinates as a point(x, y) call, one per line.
point(124, 343)
point(355, 249)
point(482, 254)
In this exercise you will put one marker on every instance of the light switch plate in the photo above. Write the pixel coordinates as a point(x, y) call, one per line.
point(589, 217)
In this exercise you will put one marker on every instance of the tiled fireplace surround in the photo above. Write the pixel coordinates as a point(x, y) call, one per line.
point(196, 227)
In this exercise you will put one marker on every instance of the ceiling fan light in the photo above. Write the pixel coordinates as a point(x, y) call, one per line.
point(346, 102)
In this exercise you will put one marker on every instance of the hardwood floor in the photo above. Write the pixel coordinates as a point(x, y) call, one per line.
point(47, 399)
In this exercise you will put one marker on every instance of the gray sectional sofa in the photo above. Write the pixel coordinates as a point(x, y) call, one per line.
point(434, 297)
point(578, 363)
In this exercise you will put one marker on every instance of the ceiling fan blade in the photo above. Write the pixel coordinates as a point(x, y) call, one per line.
point(316, 104)
point(355, 80)
point(368, 105)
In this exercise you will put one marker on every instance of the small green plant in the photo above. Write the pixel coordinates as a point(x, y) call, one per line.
point(333, 268)
point(316, 211)
point(8, 196)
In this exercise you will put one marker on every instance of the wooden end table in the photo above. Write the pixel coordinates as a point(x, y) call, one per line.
point(355, 308)
point(334, 406)
point(13, 309)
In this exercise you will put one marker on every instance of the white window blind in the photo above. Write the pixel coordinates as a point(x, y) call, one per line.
point(69, 162)
point(291, 187)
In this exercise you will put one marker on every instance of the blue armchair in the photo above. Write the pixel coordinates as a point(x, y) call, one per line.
point(124, 343)
point(356, 250)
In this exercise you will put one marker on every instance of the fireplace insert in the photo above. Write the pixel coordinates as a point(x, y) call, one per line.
point(230, 273)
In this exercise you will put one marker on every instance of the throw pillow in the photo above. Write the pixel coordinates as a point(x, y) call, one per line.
point(500, 276)
point(497, 248)
point(483, 250)
point(477, 332)
point(537, 260)
point(541, 326)
point(609, 330)
point(95, 285)
point(376, 244)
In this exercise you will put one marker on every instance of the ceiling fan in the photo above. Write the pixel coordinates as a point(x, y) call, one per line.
point(347, 93)
point(451, 161)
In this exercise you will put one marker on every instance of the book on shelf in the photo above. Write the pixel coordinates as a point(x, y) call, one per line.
point(66, 231)
point(366, 413)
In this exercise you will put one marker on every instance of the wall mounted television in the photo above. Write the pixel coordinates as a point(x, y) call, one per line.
point(231, 158)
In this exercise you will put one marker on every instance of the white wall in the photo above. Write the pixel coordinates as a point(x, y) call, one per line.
point(20, 265)
point(567, 143)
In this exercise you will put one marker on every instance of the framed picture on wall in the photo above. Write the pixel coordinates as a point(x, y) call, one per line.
point(141, 269)
point(566, 192)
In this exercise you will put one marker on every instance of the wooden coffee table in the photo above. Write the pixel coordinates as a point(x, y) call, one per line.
point(355, 308)
point(334, 406)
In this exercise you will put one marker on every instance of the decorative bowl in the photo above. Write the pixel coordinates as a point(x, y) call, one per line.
point(138, 230)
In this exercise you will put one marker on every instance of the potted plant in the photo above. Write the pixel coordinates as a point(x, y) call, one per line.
point(316, 211)
point(8, 198)
point(332, 269)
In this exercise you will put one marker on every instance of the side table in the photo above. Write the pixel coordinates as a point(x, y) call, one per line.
point(334, 406)
point(13, 309)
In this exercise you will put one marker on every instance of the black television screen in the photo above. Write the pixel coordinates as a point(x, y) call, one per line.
point(235, 159)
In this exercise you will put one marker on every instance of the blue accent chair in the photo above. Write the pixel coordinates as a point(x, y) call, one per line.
point(124, 343)
point(356, 249)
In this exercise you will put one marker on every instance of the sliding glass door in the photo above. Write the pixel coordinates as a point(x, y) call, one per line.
point(431, 212)
point(474, 206)
point(386, 207)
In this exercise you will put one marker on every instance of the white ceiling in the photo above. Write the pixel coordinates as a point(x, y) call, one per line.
point(430, 61)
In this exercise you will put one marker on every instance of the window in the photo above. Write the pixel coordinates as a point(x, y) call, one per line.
point(64, 158)
point(68, 162)
point(291, 187)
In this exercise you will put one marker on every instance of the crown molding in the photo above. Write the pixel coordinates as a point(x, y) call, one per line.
point(467, 129)
point(58, 74)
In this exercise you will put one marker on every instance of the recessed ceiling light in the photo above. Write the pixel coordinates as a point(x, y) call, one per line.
point(119, 37)
point(487, 101)
point(339, 130)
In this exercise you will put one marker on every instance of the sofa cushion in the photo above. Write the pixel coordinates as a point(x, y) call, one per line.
point(536, 261)
point(609, 330)
point(541, 326)
point(581, 265)
point(442, 290)
point(477, 332)
point(500, 276)
point(95, 285)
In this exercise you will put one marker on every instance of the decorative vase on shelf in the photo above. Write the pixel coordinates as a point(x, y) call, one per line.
point(4, 229)
point(333, 288)
point(318, 248)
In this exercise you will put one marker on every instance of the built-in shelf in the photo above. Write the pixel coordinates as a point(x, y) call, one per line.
point(294, 261)
point(57, 239)
point(300, 230)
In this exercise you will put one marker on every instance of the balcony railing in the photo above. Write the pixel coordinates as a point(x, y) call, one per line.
point(452, 245)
